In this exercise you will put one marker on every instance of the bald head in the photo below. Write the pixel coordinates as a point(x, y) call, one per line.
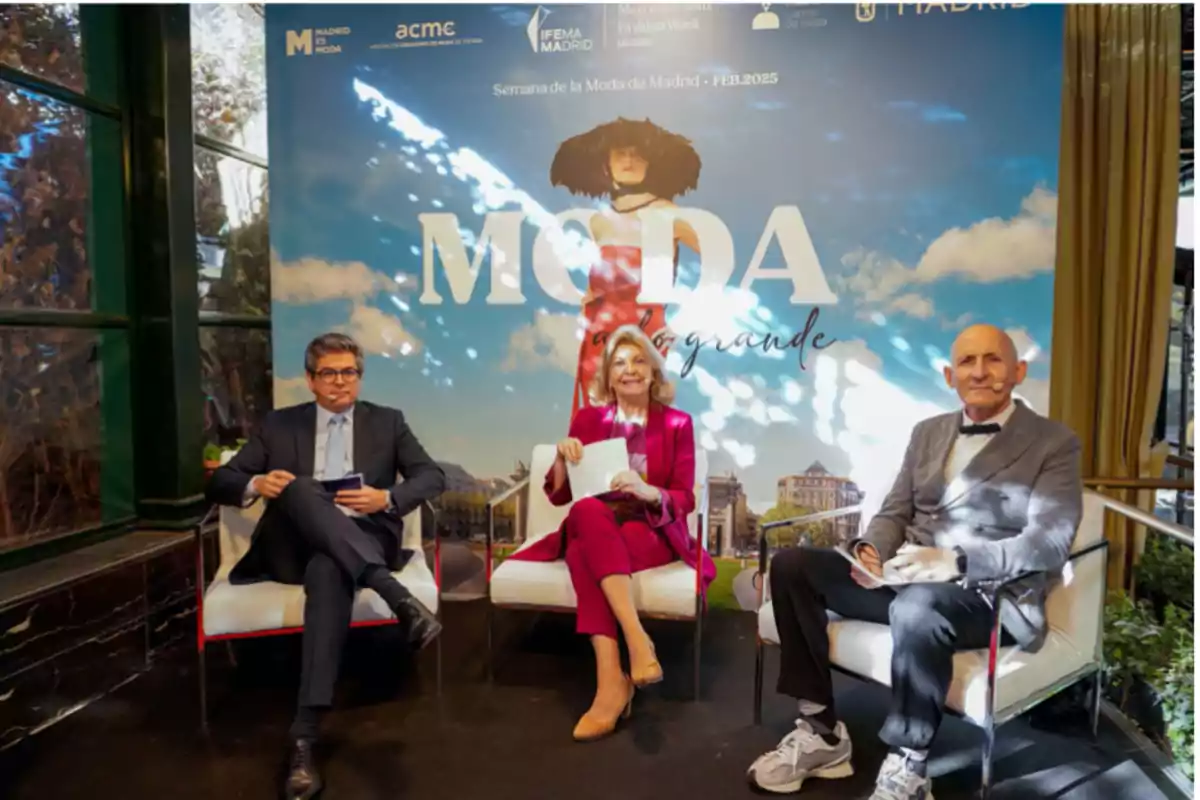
point(988, 337)
point(984, 369)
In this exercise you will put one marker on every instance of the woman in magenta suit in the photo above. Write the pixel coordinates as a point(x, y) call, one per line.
point(641, 524)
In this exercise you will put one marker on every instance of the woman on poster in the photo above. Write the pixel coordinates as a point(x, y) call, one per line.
point(641, 524)
point(636, 165)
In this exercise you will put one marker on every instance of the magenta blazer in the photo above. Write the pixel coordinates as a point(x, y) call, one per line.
point(671, 464)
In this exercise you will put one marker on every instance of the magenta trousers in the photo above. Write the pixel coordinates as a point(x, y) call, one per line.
point(598, 545)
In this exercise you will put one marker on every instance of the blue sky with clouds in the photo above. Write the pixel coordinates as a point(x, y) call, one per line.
point(920, 149)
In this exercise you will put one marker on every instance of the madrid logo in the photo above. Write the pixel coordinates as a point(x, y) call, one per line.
point(544, 39)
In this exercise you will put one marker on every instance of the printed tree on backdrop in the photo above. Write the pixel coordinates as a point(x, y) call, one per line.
point(49, 389)
point(814, 533)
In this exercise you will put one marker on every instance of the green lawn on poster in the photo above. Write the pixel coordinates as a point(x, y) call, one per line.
point(720, 593)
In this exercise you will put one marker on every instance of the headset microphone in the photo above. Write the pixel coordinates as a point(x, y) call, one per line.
point(998, 386)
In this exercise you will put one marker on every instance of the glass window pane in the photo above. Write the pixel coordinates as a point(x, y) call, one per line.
point(229, 74)
point(232, 249)
point(236, 379)
point(64, 455)
point(44, 40)
point(1181, 328)
point(45, 195)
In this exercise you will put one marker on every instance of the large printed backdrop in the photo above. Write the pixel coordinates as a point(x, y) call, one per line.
point(892, 168)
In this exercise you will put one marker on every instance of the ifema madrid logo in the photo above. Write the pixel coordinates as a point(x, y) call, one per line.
point(545, 39)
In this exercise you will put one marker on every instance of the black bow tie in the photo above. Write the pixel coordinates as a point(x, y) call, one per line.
point(979, 430)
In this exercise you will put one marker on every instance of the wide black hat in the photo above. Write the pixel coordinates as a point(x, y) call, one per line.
point(581, 163)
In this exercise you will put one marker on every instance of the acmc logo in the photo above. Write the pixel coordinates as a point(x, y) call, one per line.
point(301, 41)
point(426, 30)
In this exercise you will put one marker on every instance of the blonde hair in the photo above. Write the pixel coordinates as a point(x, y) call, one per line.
point(661, 390)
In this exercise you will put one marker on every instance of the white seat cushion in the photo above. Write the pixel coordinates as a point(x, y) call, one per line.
point(1073, 611)
point(668, 591)
point(267, 605)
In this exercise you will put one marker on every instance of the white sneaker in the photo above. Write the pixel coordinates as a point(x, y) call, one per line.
point(802, 754)
point(899, 780)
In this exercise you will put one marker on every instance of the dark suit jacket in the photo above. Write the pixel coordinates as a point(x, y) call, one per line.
point(384, 447)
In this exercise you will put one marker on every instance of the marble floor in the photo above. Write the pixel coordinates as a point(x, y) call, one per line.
point(391, 736)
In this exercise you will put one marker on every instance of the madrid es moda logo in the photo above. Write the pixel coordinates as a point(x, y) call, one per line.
point(544, 38)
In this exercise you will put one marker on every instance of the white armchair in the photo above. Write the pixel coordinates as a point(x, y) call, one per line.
point(225, 611)
point(670, 592)
point(990, 687)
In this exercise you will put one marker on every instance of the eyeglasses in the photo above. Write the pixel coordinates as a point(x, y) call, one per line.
point(349, 375)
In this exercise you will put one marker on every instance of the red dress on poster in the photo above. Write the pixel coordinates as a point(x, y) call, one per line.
point(612, 301)
point(636, 165)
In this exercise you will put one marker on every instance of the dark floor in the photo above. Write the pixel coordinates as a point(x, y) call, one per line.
point(390, 737)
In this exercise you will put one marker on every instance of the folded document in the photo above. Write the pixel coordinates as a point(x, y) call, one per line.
point(601, 462)
point(888, 578)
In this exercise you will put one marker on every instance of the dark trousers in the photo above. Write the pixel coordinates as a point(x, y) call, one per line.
point(929, 623)
point(335, 551)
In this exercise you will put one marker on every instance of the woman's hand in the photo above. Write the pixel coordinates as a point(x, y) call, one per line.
point(570, 450)
point(631, 483)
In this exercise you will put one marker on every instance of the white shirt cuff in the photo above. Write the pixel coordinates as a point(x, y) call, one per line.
point(251, 493)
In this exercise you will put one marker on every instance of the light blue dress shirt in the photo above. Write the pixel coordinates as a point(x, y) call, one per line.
point(320, 468)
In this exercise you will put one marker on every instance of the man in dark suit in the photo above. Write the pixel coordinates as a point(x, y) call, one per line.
point(333, 544)
point(988, 492)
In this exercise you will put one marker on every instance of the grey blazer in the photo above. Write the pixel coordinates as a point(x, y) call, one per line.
point(1014, 509)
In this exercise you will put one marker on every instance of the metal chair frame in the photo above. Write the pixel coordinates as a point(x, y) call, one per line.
point(990, 591)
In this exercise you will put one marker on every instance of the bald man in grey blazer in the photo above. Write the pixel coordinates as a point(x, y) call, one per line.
point(988, 492)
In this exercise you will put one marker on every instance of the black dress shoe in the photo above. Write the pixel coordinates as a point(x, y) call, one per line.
point(423, 626)
point(303, 781)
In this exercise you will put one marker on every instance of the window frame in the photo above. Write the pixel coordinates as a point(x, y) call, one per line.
point(220, 319)
point(108, 263)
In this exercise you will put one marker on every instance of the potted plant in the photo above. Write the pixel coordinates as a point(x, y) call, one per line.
point(212, 458)
point(1150, 669)
point(215, 453)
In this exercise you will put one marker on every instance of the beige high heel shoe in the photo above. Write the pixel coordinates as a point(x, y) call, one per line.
point(650, 674)
point(592, 727)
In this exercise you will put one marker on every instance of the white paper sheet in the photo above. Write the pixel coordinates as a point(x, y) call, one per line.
point(600, 464)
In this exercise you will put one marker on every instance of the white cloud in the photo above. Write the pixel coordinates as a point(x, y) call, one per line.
point(314, 280)
point(1036, 394)
point(860, 412)
point(996, 249)
point(380, 332)
point(912, 304)
point(1027, 348)
point(876, 277)
point(551, 340)
point(958, 323)
point(291, 391)
point(989, 251)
